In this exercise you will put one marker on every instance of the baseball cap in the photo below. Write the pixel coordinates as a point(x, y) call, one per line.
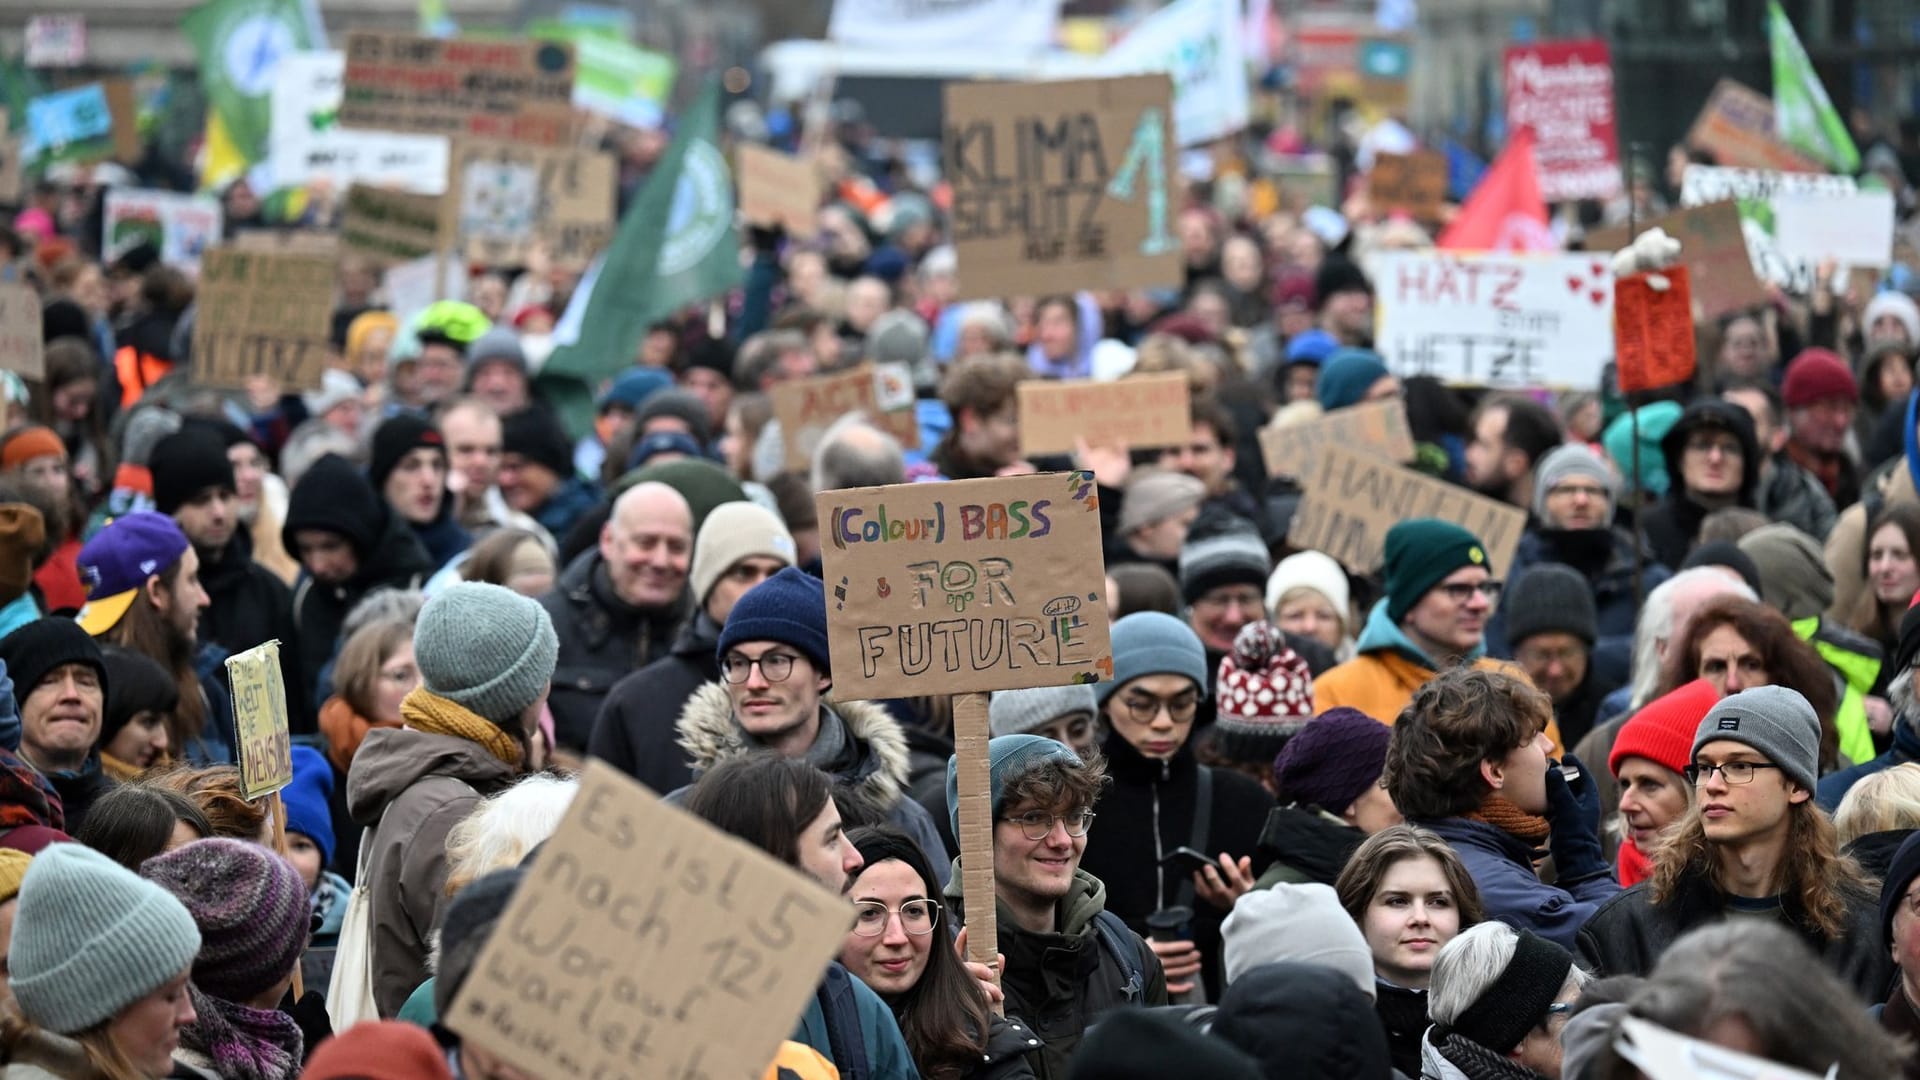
point(117, 562)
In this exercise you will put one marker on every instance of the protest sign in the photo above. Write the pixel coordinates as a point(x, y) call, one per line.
point(1853, 230)
point(389, 226)
point(414, 285)
point(1137, 412)
point(56, 41)
point(513, 89)
point(1661, 1054)
point(806, 408)
point(1713, 248)
point(1756, 190)
point(1492, 319)
point(124, 107)
point(1653, 330)
point(1414, 184)
point(988, 27)
point(304, 241)
point(1064, 186)
point(778, 189)
point(611, 77)
point(1300, 181)
point(20, 341)
point(265, 751)
point(1198, 44)
point(70, 125)
point(503, 198)
point(1561, 93)
point(305, 141)
point(1375, 427)
point(182, 227)
point(645, 942)
point(1353, 498)
point(1736, 127)
point(262, 313)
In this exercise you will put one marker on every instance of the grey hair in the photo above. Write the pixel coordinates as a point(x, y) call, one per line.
point(853, 453)
point(1471, 963)
point(761, 353)
point(382, 604)
point(1656, 625)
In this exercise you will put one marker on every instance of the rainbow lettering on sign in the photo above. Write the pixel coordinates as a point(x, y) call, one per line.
point(1019, 520)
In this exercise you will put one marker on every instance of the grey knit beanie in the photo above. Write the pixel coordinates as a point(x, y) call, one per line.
point(1152, 643)
point(1023, 712)
point(1222, 551)
point(1009, 757)
point(91, 938)
point(1153, 496)
point(1550, 597)
point(1774, 720)
point(485, 648)
point(1566, 462)
point(1304, 924)
point(1794, 577)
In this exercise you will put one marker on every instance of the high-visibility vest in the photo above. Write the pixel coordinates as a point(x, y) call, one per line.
point(136, 371)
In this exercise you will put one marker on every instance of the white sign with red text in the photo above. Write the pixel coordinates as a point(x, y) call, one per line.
point(1562, 92)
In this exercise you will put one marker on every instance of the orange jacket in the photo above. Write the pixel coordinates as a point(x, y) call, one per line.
point(1381, 683)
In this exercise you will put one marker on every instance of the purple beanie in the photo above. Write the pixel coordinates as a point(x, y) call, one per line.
point(251, 907)
point(1333, 760)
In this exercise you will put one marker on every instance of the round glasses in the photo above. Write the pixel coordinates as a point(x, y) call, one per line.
point(1036, 826)
point(917, 917)
point(774, 667)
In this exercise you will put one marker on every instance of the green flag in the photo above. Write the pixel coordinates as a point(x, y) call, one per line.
point(240, 43)
point(1803, 115)
point(675, 246)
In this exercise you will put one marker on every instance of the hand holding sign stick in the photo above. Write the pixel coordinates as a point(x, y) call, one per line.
point(263, 747)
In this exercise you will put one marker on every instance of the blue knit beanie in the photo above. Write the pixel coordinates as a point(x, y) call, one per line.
point(485, 648)
point(1153, 643)
point(791, 608)
point(306, 799)
point(1346, 375)
point(1008, 757)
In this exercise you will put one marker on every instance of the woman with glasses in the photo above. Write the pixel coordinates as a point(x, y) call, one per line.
point(902, 946)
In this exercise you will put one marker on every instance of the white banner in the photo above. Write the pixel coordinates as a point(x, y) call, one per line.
point(305, 143)
point(1759, 191)
point(182, 227)
point(56, 41)
point(1852, 230)
point(1494, 319)
point(1198, 43)
point(984, 26)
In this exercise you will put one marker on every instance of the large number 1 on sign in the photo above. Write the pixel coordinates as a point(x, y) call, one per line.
point(1148, 151)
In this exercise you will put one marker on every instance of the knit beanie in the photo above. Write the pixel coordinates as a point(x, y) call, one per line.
point(1662, 731)
point(469, 921)
point(1728, 555)
point(1818, 375)
point(1023, 712)
point(1346, 375)
point(1656, 420)
point(736, 531)
point(332, 496)
point(251, 908)
point(1314, 570)
point(136, 683)
point(1008, 758)
point(1223, 551)
point(1154, 495)
point(1900, 306)
point(22, 532)
point(91, 938)
point(1303, 1020)
point(42, 645)
point(307, 800)
point(1146, 1044)
point(1304, 924)
point(1265, 695)
point(1900, 874)
point(29, 442)
point(1333, 760)
point(337, 387)
point(378, 1050)
point(1518, 1000)
point(535, 435)
point(1420, 553)
point(681, 405)
point(791, 608)
point(394, 439)
point(499, 345)
point(705, 485)
point(662, 442)
point(485, 648)
point(365, 325)
point(634, 386)
point(1547, 598)
point(186, 463)
point(1568, 462)
point(1793, 572)
point(1152, 643)
point(1310, 347)
point(1774, 720)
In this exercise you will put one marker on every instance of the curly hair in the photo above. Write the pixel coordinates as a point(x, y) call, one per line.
point(1056, 786)
point(1789, 661)
point(1460, 718)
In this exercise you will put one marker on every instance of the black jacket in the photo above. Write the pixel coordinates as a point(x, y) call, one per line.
point(1303, 1020)
point(602, 640)
point(1305, 844)
point(635, 729)
point(249, 604)
point(1672, 525)
point(394, 560)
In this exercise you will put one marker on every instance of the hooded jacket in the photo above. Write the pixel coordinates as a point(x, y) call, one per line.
point(602, 640)
point(1671, 525)
point(635, 732)
point(1501, 866)
point(1606, 557)
point(1304, 1020)
point(1306, 845)
point(248, 605)
point(411, 788)
point(1791, 494)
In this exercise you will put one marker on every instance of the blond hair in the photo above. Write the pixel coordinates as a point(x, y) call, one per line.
point(505, 826)
point(1882, 802)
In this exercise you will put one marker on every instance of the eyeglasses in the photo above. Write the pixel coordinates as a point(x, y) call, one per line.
point(1036, 826)
point(1707, 444)
point(1734, 772)
point(1142, 710)
point(774, 666)
point(917, 917)
point(1462, 592)
point(1221, 601)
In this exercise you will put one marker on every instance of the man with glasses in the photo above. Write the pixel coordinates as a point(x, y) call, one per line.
point(1754, 845)
point(1552, 626)
point(1499, 999)
point(1713, 462)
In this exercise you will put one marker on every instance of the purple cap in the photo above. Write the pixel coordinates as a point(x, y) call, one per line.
point(117, 562)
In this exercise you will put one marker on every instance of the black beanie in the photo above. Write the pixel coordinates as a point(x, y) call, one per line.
point(394, 439)
point(333, 497)
point(229, 433)
point(1518, 1000)
point(186, 463)
point(138, 684)
point(1155, 1042)
point(63, 318)
point(43, 645)
point(468, 924)
point(1548, 598)
point(534, 434)
point(1728, 554)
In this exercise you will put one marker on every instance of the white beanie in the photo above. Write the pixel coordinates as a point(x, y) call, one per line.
point(1313, 570)
point(1304, 924)
point(735, 531)
point(1900, 306)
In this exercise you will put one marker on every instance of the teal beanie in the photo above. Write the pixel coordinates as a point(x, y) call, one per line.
point(1346, 375)
point(1154, 643)
point(1008, 757)
point(1420, 553)
point(485, 648)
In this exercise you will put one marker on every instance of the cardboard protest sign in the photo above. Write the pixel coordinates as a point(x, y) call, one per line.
point(1736, 126)
point(777, 189)
point(645, 942)
point(1137, 412)
point(306, 142)
point(20, 341)
point(389, 226)
point(1713, 248)
point(183, 227)
point(1414, 184)
point(262, 313)
point(1494, 319)
point(806, 408)
point(1062, 186)
point(1853, 230)
point(56, 41)
point(265, 751)
point(1653, 331)
point(12, 170)
point(1561, 93)
point(964, 586)
point(503, 198)
point(1756, 191)
point(1660, 1054)
point(1353, 498)
point(304, 241)
point(511, 88)
point(124, 108)
point(1376, 427)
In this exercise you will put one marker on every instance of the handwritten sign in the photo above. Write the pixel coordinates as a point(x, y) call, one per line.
point(1853, 230)
point(56, 41)
point(305, 141)
point(1736, 127)
point(182, 227)
point(1353, 498)
point(263, 313)
point(390, 226)
point(777, 189)
point(1653, 331)
point(1142, 411)
point(505, 198)
point(1063, 185)
point(20, 342)
point(512, 89)
point(965, 586)
point(1757, 191)
point(1414, 184)
point(629, 889)
point(1561, 92)
point(1378, 427)
point(1713, 248)
point(806, 408)
point(260, 720)
point(1495, 319)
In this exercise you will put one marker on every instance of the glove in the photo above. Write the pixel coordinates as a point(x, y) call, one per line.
point(1574, 810)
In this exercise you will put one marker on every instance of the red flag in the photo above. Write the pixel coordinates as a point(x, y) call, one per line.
point(1505, 213)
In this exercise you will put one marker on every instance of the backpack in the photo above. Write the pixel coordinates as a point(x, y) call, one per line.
point(1127, 949)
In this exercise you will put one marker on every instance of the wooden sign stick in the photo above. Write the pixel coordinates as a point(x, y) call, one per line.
point(970, 736)
point(279, 811)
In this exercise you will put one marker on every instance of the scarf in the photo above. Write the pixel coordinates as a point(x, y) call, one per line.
point(1480, 1063)
point(345, 731)
point(243, 1043)
point(423, 710)
point(1498, 812)
point(1634, 866)
point(26, 796)
point(1825, 468)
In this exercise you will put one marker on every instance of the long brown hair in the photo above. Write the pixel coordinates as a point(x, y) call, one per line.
point(1868, 615)
point(105, 1060)
point(216, 790)
point(1360, 879)
point(356, 675)
point(1815, 871)
point(1790, 661)
point(145, 630)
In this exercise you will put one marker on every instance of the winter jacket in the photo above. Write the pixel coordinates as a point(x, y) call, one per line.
point(1671, 526)
point(1062, 981)
point(1904, 748)
point(1501, 866)
point(1403, 1013)
point(23, 610)
point(411, 788)
point(634, 731)
point(1791, 494)
point(603, 639)
point(1149, 809)
point(1306, 844)
point(78, 791)
point(394, 560)
point(1874, 851)
point(248, 605)
point(566, 506)
point(43, 1055)
point(1846, 547)
point(1607, 559)
point(1484, 1064)
point(1576, 715)
point(1855, 661)
point(1628, 934)
point(883, 1047)
point(216, 741)
point(443, 537)
point(872, 759)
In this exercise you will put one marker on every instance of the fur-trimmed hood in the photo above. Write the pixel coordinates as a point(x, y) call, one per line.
point(874, 763)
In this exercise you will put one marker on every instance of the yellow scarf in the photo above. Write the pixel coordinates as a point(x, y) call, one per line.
point(435, 715)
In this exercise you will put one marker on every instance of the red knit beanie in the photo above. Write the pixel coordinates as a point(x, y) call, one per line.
point(378, 1050)
point(1817, 375)
point(1662, 731)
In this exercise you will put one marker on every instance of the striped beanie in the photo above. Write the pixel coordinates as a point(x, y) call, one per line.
point(251, 908)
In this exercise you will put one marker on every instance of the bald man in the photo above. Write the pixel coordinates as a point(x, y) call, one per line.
point(617, 605)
